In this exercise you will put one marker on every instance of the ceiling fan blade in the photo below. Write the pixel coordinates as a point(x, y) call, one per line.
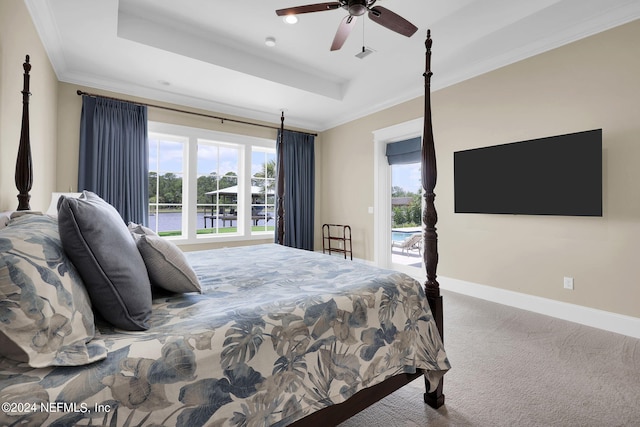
point(319, 7)
point(392, 21)
point(343, 32)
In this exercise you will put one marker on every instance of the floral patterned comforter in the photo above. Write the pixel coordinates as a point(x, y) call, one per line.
point(278, 333)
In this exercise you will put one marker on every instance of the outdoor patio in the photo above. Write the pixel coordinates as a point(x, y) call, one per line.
point(409, 258)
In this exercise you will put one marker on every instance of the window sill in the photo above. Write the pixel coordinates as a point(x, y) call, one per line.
point(214, 240)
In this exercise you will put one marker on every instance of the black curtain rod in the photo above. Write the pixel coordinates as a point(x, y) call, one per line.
point(222, 119)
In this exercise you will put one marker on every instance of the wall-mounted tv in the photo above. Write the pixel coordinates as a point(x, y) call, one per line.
point(558, 175)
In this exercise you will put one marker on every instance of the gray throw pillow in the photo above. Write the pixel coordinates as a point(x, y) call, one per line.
point(167, 266)
point(97, 241)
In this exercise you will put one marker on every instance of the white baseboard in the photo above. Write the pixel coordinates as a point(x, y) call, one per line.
point(613, 322)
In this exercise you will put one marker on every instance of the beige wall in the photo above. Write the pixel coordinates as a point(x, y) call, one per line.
point(589, 84)
point(347, 188)
point(18, 38)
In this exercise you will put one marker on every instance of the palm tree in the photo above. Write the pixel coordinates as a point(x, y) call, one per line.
point(268, 174)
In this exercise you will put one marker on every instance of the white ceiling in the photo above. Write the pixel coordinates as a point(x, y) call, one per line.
point(211, 54)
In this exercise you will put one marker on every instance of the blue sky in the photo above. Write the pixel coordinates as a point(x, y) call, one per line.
point(211, 157)
point(406, 176)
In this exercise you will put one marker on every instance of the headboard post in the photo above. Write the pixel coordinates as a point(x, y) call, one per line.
point(435, 398)
point(24, 167)
point(280, 184)
point(429, 176)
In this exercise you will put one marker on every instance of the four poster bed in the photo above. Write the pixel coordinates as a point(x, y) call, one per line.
point(297, 338)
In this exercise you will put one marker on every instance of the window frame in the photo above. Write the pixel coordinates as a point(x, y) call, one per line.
point(175, 139)
point(245, 145)
point(269, 203)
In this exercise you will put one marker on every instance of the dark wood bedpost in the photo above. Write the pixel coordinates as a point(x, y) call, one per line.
point(24, 167)
point(280, 185)
point(430, 216)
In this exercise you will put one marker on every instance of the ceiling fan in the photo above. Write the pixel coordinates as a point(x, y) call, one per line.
point(356, 8)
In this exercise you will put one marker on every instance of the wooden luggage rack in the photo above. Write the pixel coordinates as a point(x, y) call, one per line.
point(337, 238)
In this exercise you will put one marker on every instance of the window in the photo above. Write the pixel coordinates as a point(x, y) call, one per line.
point(218, 186)
point(263, 189)
point(166, 162)
point(210, 185)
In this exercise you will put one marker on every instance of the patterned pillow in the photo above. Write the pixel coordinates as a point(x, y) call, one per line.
point(167, 266)
point(45, 313)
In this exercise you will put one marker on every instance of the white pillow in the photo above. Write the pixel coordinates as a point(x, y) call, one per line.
point(55, 197)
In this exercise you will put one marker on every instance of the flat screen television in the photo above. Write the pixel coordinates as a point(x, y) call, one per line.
point(558, 175)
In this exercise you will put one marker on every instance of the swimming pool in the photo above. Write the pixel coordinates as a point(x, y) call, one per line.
point(399, 236)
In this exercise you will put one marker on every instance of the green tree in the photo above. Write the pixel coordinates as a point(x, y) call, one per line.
point(153, 186)
point(268, 174)
point(205, 184)
point(397, 191)
point(268, 170)
point(170, 189)
point(414, 210)
point(398, 216)
point(408, 215)
point(228, 180)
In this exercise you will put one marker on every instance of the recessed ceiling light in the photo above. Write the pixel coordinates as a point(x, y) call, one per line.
point(290, 19)
point(270, 41)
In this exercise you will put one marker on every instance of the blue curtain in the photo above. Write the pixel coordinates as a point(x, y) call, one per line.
point(114, 155)
point(299, 189)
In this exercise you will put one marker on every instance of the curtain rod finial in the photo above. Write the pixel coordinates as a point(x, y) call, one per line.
point(27, 65)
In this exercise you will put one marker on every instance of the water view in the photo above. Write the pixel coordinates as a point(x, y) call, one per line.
point(172, 221)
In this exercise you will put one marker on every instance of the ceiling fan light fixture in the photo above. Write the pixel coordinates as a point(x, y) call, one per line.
point(270, 41)
point(290, 19)
point(357, 8)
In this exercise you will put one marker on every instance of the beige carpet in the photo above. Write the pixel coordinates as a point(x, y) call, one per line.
point(516, 368)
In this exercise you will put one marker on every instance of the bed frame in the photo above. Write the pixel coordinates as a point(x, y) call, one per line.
point(335, 414)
